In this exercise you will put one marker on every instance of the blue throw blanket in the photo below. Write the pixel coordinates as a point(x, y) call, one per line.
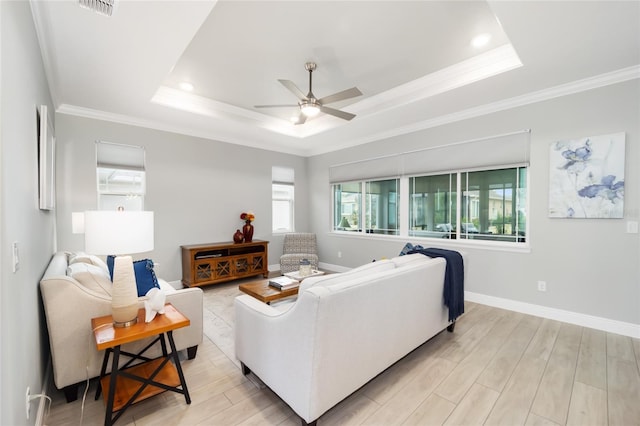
point(453, 278)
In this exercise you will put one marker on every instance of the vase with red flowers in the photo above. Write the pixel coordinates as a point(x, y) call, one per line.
point(247, 229)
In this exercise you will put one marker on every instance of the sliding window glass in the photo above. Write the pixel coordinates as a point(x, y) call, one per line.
point(346, 206)
point(494, 204)
point(432, 206)
point(381, 207)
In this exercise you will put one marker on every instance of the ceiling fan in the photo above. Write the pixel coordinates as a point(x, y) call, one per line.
point(309, 105)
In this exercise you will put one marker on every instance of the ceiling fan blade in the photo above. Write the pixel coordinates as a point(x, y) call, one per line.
point(275, 106)
point(337, 113)
point(293, 89)
point(340, 96)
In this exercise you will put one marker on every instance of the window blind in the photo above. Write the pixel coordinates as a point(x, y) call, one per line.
point(500, 150)
point(282, 174)
point(118, 156)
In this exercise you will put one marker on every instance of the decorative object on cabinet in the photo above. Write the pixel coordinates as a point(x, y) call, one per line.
point(587, 177)
point(213, 263)
point(247, 229)
point(238, 236)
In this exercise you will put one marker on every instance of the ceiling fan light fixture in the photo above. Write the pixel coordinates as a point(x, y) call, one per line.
point(310, 110)
point(102, 7)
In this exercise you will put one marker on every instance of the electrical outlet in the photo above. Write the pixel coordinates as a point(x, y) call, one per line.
point(27, 400)
point(542, 286)
point(339, 254)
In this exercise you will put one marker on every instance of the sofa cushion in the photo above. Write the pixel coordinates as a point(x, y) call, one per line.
point(145, 276)
point(80, 257)
point(91, 276)
point(363, 270)
point(408, 259)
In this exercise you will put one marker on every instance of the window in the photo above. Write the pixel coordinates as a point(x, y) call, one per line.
point(346, 206)
point(121, 176)
point(493, 204)
point(480, 205)
point(381, 207)
point(282, 195)
point(432, 205)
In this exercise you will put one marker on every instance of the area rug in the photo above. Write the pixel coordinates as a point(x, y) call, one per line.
point(219, 316)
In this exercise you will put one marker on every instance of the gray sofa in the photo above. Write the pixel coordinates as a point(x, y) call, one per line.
point(74, 290)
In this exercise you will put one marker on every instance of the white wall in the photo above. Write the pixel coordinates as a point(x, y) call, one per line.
point(23, 345)
point(591, 266)
point(197, 188)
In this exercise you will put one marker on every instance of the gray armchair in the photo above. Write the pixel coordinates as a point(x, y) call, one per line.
point(298, 246)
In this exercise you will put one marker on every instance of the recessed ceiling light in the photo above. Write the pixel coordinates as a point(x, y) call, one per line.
point(186, 86)
point(480, 40)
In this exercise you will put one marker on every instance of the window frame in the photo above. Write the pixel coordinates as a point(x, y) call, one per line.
point(290, 200)
point(517, 244)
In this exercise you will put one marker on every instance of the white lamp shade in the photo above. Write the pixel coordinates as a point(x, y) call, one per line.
point(118, 232)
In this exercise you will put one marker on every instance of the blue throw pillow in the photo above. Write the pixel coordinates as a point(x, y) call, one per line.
point(145, 276)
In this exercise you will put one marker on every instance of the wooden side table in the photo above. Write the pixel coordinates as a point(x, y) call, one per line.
point(129, 384)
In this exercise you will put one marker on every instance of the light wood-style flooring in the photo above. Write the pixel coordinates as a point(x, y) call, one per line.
point(498, 367)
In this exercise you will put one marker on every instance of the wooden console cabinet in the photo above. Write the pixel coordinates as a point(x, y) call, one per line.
point(204, 264)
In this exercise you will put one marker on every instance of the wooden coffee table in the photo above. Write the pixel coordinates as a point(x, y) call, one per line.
point(262, 291)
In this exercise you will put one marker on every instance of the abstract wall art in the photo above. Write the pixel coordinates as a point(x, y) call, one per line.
point(587, 177)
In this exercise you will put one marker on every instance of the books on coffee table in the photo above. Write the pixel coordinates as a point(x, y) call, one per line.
point(283, 283)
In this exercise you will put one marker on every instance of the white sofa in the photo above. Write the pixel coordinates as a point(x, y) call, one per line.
point(341, 331)
point(74, 290)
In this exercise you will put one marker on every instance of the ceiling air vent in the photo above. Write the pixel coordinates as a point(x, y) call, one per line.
point(103, 7)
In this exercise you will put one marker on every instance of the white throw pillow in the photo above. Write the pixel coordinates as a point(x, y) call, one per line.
point(92, 277)
point(91, 259)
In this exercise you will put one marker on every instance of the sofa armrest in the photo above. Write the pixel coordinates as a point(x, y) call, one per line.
point(69, 307)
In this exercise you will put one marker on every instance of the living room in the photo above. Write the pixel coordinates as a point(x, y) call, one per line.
point(197, 186)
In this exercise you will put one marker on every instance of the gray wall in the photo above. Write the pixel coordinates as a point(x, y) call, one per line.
point(196, 188)
point(590, 266)
point(23, 348)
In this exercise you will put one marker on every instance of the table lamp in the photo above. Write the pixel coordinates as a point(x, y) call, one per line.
point(120, 233)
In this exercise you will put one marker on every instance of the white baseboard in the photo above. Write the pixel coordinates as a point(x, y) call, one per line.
point(584, 320)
